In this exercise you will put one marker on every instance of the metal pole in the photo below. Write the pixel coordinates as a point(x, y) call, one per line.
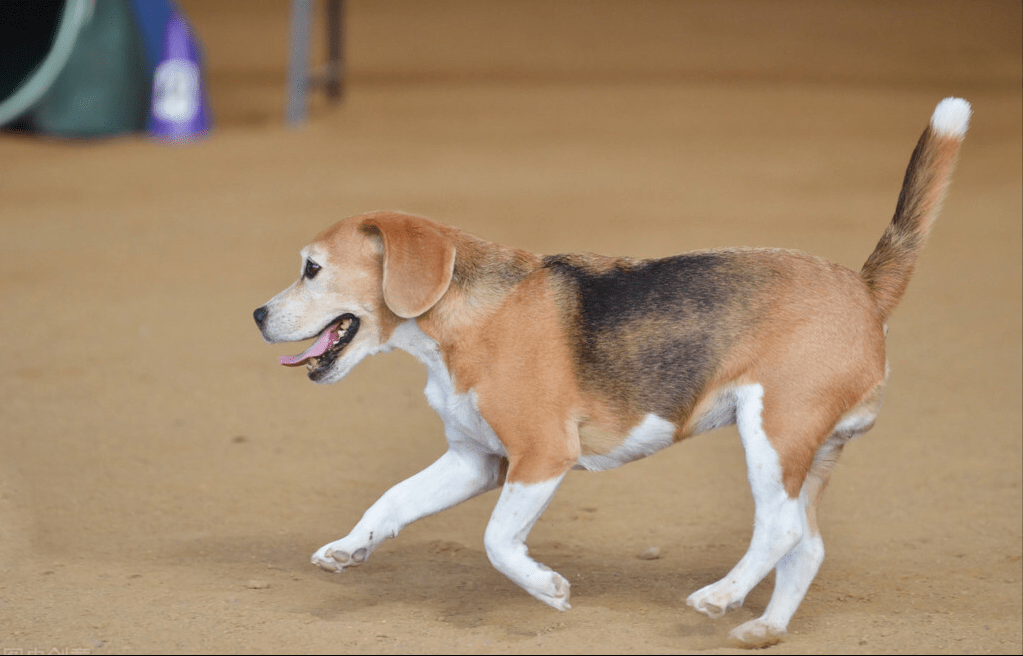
point(298, 61)
point(334, 79)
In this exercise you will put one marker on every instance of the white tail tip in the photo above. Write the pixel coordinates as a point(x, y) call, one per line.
point(951, 117)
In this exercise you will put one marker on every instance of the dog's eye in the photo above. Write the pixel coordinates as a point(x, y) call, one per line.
point(311, 269)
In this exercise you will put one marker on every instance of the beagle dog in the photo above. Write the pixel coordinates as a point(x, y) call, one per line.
point(542, 364)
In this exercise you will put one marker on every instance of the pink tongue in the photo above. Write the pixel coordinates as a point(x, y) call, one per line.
point(322, 343)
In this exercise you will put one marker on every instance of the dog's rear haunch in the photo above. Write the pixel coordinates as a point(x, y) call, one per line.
point(541, 364)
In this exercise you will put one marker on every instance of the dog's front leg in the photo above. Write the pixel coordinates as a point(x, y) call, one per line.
point(460, 474)
point(520, 505)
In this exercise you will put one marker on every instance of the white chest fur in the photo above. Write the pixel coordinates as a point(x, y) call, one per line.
point(459, 412)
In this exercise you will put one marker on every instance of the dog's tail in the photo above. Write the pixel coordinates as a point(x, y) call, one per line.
point(887, 270)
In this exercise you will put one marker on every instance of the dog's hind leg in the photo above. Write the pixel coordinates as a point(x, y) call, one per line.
point(458, 475)
point(797, 569)
point(778, 518)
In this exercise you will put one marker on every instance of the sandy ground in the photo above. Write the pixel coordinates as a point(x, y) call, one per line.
point(163, 481)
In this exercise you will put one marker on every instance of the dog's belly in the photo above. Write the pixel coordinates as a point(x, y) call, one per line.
point(715, 410)
point(650, 435)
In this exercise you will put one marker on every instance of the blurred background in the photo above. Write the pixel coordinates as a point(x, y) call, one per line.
point(163, 482)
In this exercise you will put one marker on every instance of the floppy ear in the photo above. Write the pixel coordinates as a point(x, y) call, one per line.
point(418, 262)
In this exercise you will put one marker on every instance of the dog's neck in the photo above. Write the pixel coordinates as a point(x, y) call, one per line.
point(409, 337)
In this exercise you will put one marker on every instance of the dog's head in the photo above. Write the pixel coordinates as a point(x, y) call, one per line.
point(359, 280)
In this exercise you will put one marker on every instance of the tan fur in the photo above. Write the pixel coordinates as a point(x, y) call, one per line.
point(524, 383)
point(418, 261)
point(824, 351)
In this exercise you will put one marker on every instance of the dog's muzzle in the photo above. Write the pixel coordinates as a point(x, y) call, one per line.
point(327, 348)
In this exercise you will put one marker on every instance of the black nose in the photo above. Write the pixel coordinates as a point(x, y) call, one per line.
point(260, 315)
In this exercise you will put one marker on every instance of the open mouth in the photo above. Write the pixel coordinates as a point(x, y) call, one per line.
point(332, 340)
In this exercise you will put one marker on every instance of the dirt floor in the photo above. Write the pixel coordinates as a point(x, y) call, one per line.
point(163, 482)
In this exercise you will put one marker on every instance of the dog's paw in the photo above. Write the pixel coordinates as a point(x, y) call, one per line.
point(335, 558)
point(714, 600)
point(554, 592)
point(756, 633)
